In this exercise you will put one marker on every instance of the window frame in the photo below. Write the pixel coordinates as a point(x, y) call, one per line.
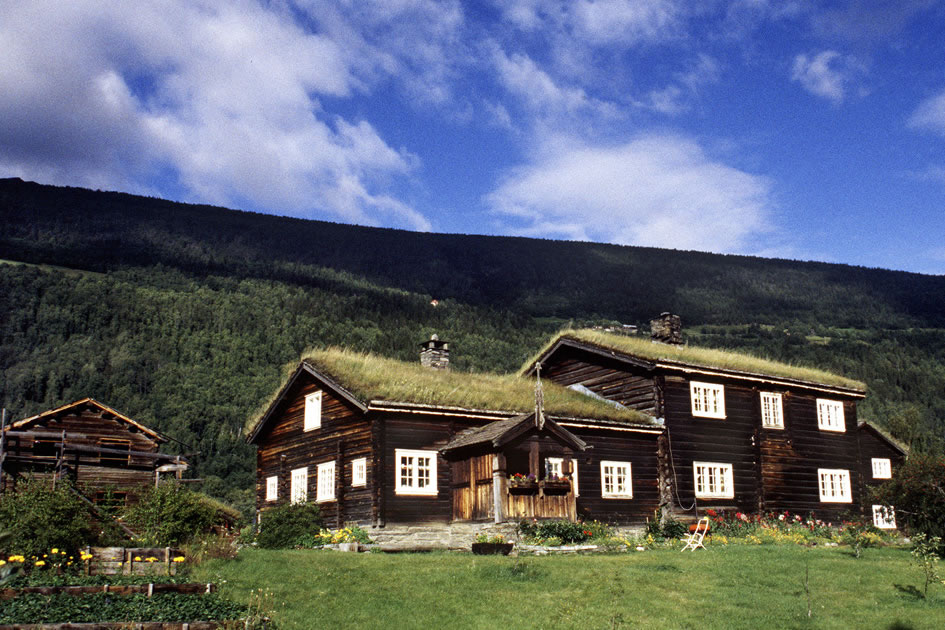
point(882, 467)
point(845, 485)
point(699, 400)
point(359, 472)
point(272, 488)
point(723, 471)
point(824, 417)
point(772, 406)
point(298, 487)
point(556, 463)
point(325, 482)
point(882, 521)
point(312, 418)
point(620, 469)
point(401, 485)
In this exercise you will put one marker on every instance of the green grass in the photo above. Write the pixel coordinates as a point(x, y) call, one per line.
point(694, 355)
point(723, 587)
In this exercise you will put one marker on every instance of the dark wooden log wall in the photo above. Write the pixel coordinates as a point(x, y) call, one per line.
point(873, 445)
point(790, 458)
point(344, 435)
point(87, 426)
point(608, 377)
point(640, 450)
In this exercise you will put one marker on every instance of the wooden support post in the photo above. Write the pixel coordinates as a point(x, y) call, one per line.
point(499, 486)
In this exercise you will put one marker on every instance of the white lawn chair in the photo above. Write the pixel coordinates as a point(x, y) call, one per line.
point(695, 538)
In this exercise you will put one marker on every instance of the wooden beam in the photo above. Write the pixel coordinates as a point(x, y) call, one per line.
point(499, 490)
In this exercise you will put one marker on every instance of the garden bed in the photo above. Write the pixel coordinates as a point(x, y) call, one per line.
point(115, 589)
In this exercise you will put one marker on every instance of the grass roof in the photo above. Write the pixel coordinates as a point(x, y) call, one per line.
point(644, 348)
point(372, 378)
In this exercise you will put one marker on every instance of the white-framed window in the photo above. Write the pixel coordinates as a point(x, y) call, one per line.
point(883, 517)
point(359, 472)
point(554, 467)
point(615, 480)
point(574, 478)
point(313, 411)
point(708, 400)
point(834, 485)
point(772, 411)
point(272, 488)
point(830, 415)
point(325, 489)
point(882, 468)
point(415, 472)
point(713, 480)
point(299, 487)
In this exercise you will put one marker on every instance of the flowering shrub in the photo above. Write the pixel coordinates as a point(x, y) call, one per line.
point(349, 534)
point(522, 478)
point(562, 532)
point(787, 528)
point(483, 537)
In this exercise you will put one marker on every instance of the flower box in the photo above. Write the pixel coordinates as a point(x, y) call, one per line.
point(491, 549)
point(556, 486)
point(523, 486)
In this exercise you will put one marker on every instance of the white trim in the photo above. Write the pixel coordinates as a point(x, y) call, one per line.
point(359, 472)
point(830, 415)
point(313, 411)
point(713, 480)
point(708, 399)
point(884, 518)
point(554, 466)
point(574, 477)
point(882, 468)
point(616, 480)
point(299, 485)
point(325, 487)
point(272, 488)
point(772, 410)
point(834, 484)
point(415, 472)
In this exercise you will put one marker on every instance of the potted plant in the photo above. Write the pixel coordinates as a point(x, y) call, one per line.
point(486, 545)
point(523, 484)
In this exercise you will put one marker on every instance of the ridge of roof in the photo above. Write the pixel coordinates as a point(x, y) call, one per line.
point(89, 401)
point(686, 356)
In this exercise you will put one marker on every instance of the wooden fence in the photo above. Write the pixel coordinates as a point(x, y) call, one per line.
point(132, 560)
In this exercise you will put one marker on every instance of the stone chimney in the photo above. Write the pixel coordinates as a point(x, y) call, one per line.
point(435, 354)
point(667, 328)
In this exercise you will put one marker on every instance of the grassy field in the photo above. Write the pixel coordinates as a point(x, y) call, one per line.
point(724, 587)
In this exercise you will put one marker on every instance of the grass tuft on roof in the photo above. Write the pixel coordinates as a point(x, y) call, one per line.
point(369, 377)
point(694, 355)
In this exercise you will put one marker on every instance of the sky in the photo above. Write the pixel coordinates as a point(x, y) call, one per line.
point(803, 130)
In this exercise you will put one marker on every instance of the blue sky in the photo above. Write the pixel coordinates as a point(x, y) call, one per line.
point(813, 131)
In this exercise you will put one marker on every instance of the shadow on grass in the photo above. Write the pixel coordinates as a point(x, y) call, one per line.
point(909, 590)
point(516, 571)
point(899, 625)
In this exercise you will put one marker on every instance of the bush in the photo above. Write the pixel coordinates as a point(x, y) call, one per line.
point(170, 515)
point(663, 527)
point(285, 526)
point(39, 518)
point(917, 490)
point(564, 532)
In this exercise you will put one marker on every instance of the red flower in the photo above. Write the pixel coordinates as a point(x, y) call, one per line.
point(711, 512)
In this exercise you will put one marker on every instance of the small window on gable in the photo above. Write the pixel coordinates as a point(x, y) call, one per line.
point(713, 481)
point(884, 517)
point(772, 411)
point(708, 400)
point(615, 480)
point(115, 444)
point(359, 472)
point(313, 411)
point(882, 468)
point(272, 488)
point(834, 485)
point(830, 415)
point(299, 487)
point(325, 490)
point(415, 472)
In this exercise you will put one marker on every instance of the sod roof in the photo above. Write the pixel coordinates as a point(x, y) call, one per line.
point(710, 358)
point(370, 378)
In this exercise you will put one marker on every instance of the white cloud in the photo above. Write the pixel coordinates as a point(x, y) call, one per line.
point(827, 74)
point(660, 191)
point(224, 95)
point(930, 114)
point(674, 98)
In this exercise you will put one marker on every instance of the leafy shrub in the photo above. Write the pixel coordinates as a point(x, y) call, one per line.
point(39, 517)
point(102, 607)
point(285, 526)
point(665, 527)
point(565, 532)
point(917, 490)
point(170, 515)
point(347, 534)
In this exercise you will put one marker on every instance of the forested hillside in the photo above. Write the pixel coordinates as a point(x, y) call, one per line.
point(183, 316)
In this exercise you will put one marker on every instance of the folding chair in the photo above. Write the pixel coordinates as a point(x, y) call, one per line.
point(695, 538)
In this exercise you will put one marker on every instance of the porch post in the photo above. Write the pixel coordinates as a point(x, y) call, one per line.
point(499, 490)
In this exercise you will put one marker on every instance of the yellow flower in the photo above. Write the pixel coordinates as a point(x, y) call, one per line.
point(150, 559)
point(137, 558)
point(55, 550)
point(2, 562)
point(40, 563)
point(179, 559)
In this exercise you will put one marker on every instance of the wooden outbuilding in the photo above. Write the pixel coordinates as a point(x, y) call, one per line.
point(105, 453)
point(880, 457)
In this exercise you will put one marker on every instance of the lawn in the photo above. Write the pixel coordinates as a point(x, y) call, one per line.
point(723, 587)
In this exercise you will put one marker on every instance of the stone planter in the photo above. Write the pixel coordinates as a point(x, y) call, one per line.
point(492, 549)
